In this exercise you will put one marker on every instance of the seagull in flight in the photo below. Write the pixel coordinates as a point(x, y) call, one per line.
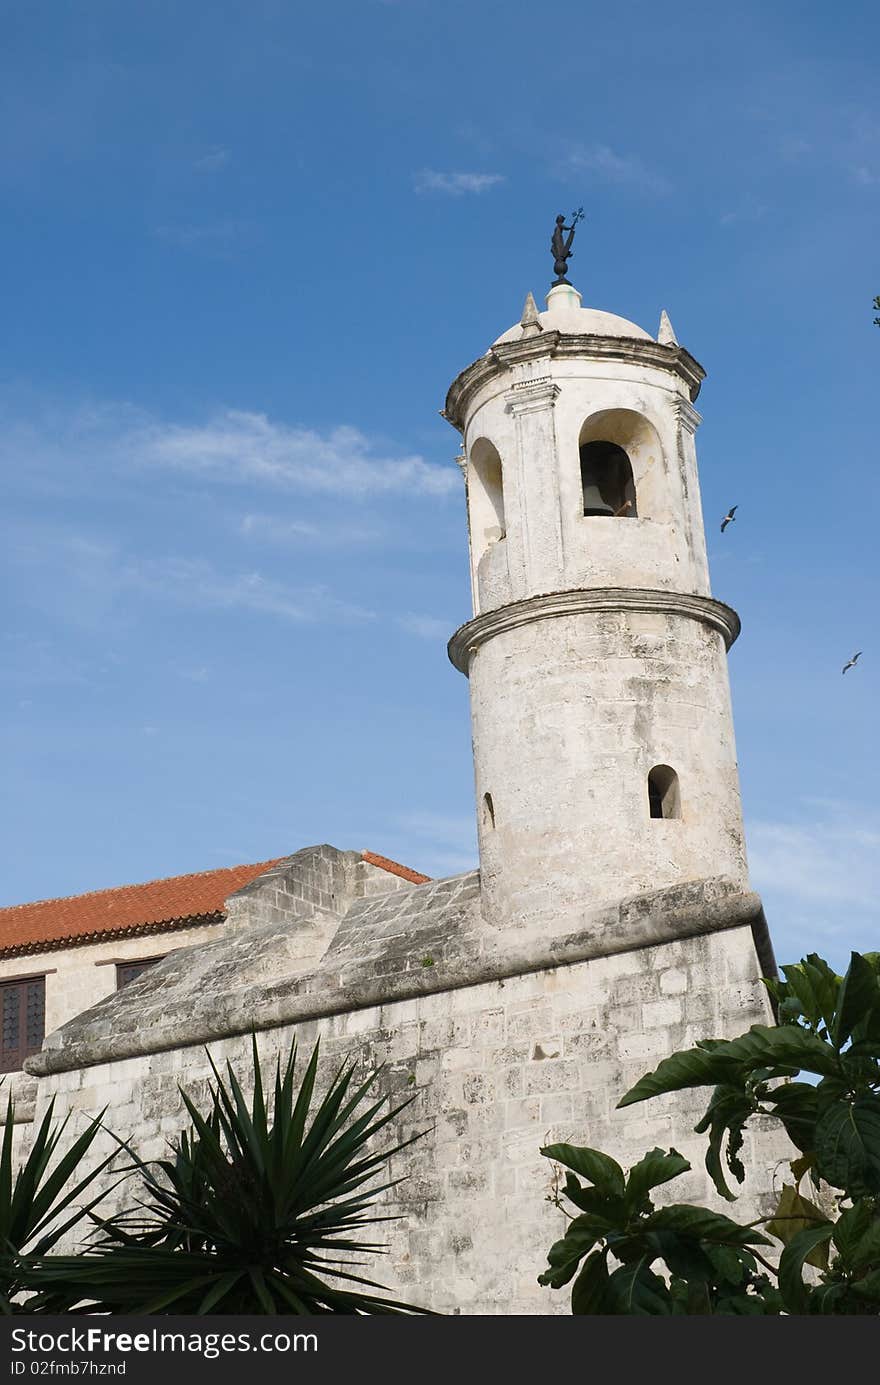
point(729, 517)
point(852, 663)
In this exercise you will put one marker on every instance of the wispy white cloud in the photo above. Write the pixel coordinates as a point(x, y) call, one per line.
point(746, 211)
point(426, 627)
point(231, 446)
point(242, 446)
point(216, 237)
point(90, 583)
point(195, 582)
point(604, 163)
point(819, 874)
point(294, 533)
point(834, 858)
point(455, 184)
point(213, 161)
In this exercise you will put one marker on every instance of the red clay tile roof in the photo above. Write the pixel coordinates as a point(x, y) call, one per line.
point(394, 868)
point(179, 901)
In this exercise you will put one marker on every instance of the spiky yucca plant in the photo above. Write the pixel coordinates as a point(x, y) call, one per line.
point(259, 1208)
point(38, 1203)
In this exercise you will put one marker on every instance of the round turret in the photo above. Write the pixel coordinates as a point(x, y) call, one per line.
point(602, 729)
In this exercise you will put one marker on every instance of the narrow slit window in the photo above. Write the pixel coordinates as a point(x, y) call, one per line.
point(607, 481)
point(488, 811)
point(664, 798)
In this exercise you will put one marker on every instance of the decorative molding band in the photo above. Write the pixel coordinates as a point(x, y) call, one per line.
point(531, 396)
point(476, 632)
point(551, 345)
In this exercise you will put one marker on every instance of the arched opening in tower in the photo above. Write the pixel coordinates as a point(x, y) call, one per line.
point(607, 481)
point(486, 496)
point(664, 797)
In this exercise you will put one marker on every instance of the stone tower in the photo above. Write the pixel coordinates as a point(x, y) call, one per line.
point(602, 729)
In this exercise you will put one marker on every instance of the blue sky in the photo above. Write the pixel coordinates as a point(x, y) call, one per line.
point(244, 251)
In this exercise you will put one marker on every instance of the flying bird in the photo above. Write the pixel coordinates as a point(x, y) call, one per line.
point(853, 661)
point(729, 517)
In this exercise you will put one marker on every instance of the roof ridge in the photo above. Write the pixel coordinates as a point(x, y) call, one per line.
point(395, 868)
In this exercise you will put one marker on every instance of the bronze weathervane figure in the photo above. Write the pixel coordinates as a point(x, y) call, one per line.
point(560, 245)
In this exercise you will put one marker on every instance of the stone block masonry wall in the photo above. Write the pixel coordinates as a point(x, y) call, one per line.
point(569, 716)
point(497, 1070)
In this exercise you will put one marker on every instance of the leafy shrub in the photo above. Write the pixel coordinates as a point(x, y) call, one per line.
point(630, 1257)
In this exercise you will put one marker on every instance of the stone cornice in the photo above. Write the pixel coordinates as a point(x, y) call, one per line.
point(688, 417)
point(481, 954)
point(483, 627)
point(632, 350)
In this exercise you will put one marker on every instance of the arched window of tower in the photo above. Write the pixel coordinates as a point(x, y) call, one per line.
point(664, 797)
point(607, 480)
point(488, 811)
point(485, 497)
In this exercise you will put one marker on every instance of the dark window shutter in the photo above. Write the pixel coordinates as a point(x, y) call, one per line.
point(130, 971)
point(22, 1020)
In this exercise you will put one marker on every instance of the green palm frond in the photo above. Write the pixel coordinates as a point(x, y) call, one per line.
point(261, 1206)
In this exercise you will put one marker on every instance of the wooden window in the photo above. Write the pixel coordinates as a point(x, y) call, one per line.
point(130, 971)
point(22, 1020)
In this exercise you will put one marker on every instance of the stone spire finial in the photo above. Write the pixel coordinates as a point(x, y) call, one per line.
point(530, 321)
point(665, 332)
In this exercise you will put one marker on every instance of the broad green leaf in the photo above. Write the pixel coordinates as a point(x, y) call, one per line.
point(795, 1294)
point(718, 1061)
point(565, 1255)
point(683, 1257)
point(848, 1146)
point(601, 1170)
point(859, 996)
point(797, 1106)
point(702, 1225)
point(801, 1166)
point(852, 1226)
point(795, 1214)
point(865, 1254)
point(635, 1289)
point(589, 1294)
point(650, 1172)
point(727, 1113)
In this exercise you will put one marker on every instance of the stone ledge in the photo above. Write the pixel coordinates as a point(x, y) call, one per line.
point(468, 953)
point(706, 609)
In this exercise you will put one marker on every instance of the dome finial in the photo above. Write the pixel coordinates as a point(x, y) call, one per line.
point(560, 245)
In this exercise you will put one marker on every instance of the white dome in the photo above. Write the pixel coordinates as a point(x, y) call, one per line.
point(565, 314)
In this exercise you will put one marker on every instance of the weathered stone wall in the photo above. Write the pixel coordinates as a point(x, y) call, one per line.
point(569, 715)
point(533, 413)
point(497, 1070)
point(78, 977)
point(319, 881)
